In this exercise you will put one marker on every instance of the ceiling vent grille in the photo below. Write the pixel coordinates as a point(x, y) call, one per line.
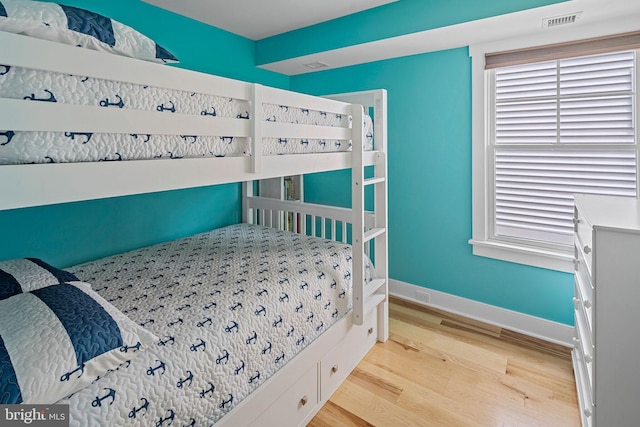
point(561, 20)
point(316, 65)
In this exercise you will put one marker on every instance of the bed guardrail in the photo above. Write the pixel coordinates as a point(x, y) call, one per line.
point(42, 184)
point(331, 223)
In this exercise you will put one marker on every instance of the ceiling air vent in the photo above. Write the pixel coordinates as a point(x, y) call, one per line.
point(316, 65)
point(561, 20)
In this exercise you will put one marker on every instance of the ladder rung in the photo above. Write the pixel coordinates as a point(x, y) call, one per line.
point(371, 181)
point(373, 286)
point(373, 233)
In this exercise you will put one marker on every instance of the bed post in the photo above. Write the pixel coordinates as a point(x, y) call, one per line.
point(371, 295)
point(247, 212)
point(381, 207)
point(357, 205)
point(257, 118)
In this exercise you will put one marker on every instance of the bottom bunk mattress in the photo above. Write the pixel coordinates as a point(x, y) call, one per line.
point(229, 307)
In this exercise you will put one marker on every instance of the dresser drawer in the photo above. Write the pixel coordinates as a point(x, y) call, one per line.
point(585, 402)
point(582, 340)
point(584, 239)
point(583, 295)
point(338, 363)
point(299, 401)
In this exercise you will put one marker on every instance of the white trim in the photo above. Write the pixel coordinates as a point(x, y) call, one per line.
point(537, 327)
point(524, 255)
point(482, 239)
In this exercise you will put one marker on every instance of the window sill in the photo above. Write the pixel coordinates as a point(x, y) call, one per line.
point(560, 261)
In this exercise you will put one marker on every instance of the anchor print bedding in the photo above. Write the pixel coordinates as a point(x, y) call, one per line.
point(229, 307)
point(18, 147)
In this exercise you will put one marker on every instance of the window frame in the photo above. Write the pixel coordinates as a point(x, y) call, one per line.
point(483, 240)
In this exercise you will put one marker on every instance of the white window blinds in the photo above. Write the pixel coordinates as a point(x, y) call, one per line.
point(561, 127)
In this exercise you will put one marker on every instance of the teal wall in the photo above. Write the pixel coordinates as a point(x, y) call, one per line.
point(429, 105)
point(71, 233)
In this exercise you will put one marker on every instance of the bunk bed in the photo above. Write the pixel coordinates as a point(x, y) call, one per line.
point(292, 394)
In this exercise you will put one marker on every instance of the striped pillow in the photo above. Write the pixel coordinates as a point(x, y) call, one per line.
point(27, 274)
point(57, 340)
point(78, 27)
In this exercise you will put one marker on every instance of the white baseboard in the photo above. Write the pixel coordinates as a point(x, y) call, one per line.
point(518, 322)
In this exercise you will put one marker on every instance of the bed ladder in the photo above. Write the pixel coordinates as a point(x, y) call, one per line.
point(368, 228)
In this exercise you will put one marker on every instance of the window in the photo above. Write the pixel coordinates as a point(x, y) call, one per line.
point(552, 128)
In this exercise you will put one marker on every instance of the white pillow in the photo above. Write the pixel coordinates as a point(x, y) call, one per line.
point(78, 27)
point(57, 340)
point(27, 274)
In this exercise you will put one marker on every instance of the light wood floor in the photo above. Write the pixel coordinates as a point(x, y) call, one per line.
point(439, 369)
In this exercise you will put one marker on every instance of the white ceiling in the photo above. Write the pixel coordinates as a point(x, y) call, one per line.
point(598, 18)
point(257, 19)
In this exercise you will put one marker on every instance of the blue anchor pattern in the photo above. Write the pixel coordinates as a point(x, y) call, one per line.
point(201, 345)
point(111, 394)
point(145, 406)
point(65, 88)
point(72, 136)
point(171, 109)
point(143, 138)
point(6, 137)
point(125, 348)
point(229, 308)
point(107, 103)
point(168, 420)
point(211, 113)
point(161, 368)
point(50, 97)
point(188, 380)
point(284, 114)
point(69, 374)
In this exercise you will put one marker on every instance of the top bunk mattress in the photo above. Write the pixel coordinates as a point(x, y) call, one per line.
point(30, 85)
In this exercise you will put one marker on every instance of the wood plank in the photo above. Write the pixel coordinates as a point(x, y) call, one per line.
point(455, 350)
point(441, 369)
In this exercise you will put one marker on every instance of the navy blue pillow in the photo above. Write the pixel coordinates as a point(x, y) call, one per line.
point(79, 27)
point(90, 23)
point(81, 334)
point(28, 274)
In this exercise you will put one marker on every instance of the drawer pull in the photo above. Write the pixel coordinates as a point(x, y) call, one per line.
point(587, 412)
point(587, 249)
point(304, 400)
point(587, 303)
point(334, 369)
point(588, 358)
point(370, 331)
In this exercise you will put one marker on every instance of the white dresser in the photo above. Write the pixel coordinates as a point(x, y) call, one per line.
point(606, 355)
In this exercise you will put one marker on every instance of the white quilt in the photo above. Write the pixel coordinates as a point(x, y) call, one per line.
point(230, 306)
point(54, 147)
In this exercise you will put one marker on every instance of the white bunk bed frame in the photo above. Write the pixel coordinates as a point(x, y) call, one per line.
point(298, 391)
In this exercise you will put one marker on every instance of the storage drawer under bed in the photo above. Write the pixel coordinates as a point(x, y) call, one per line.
point(298, 402)
point(336, 366)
